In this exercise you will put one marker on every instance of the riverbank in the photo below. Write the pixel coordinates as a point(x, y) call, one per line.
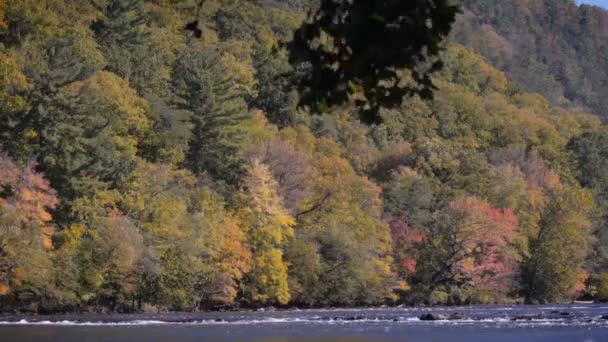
point(515, 313)
point(154, 310)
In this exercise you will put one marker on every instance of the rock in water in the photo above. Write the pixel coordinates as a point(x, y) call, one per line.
point(527, 317)
point(432, 317)
point(456, 316)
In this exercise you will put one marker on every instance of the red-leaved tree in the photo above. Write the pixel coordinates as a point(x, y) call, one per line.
point(482, 240)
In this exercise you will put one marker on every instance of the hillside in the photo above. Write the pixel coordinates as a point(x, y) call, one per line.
point(552, 47)
point(145, 168)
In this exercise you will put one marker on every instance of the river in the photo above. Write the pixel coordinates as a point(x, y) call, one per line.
point(557, 323)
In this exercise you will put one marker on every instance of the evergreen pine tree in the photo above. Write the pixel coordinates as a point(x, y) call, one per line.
point(123, 23)
point(121, 33)
point(205, 88)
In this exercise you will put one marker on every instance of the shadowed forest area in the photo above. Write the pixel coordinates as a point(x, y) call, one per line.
point(160, 155)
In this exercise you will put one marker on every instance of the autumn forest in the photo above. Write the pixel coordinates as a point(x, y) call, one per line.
point(182, 155)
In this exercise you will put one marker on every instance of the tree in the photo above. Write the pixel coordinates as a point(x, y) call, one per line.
point(2, 14)
point(555, 269)
point(122, 23)
point(121, 32)
point(590, 159)
point(268, 226)
point(31, 20)
point(410, 194)
point(343, 246)
point(194, 253)
point(359, 46)
point(184, 229)
point(602, 290)
point(483, 253)
point(227, 250)
point(290, 168)
point(468, 254)
point(405, 239)
point(25, 231)
point(234, 262)
point(109, 272)
point(13, 86)
point(263, 29)
point(160, 49)
point(83, 153)
point(527, 200)
point(73, 146)
point(205, 88)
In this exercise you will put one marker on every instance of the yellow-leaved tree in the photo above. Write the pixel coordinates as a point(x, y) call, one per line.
point(268, 226)
point(2, 9)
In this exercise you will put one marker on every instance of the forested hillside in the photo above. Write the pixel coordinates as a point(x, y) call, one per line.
point(552, 47)
point(151, 162)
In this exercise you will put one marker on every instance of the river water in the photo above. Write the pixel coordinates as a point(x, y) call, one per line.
point(563, 323)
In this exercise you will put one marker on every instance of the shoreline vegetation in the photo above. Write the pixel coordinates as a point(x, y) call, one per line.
point(158, 162)
point(99, 312)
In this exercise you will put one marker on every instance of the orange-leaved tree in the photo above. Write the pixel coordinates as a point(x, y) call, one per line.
point(25, 234)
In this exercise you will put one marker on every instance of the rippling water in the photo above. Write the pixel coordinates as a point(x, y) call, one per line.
point(567, 323)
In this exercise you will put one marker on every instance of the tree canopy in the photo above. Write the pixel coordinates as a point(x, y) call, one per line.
point(274, 158)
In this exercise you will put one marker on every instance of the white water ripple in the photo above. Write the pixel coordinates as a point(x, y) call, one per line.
point(315, 320)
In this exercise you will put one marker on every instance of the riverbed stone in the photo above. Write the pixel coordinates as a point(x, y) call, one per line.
point(432, 317)
point(527, 317)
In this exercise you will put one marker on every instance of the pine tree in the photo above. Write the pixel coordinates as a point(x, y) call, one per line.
point(205, 88)
point(121, 33)
point(123, 23)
